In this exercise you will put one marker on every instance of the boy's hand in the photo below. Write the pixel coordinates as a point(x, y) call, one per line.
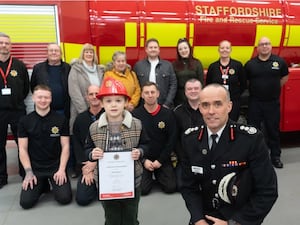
point(135, 154)
point(97, 153)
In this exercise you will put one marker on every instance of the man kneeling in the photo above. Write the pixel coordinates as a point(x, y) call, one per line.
point(43, 138)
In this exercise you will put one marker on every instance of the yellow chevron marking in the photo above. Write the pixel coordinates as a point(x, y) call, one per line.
point(273, 32)
point(294, 40)
point(159, 30)
point(131, 34)
point(107, 52)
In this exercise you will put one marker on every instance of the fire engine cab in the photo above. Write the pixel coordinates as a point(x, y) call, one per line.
point(126, 25)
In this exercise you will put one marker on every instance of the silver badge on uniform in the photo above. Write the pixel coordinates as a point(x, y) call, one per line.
point(252, 130)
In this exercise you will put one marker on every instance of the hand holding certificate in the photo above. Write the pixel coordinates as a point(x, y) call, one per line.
point(116, 175)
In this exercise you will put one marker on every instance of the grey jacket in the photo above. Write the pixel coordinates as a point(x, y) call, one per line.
point(78, 83)
point(165, 79)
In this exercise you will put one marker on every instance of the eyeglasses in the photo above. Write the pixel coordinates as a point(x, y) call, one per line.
point(264, 44)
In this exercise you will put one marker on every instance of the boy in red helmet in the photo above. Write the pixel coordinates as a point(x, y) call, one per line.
point(117, 131)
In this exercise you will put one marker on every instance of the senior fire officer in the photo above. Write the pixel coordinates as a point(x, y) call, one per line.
point(230, 180)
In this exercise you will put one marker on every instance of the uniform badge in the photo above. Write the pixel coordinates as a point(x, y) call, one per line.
point(187, 131)
point(231, 71)
point(249, 130)
point(190, 130)
point(275, 65)
point(54, 131)
point(204, 151)
point(13, 73)
point(161, 125)
point(252, 130)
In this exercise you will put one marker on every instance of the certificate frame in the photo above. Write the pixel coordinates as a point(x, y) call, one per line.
point(116, 175)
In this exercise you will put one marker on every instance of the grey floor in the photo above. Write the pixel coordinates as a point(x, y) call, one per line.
point(155, 209)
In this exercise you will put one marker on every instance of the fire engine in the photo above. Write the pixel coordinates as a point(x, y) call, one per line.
point(126, 25)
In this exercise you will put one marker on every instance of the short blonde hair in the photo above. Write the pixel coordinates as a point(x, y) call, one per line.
point(86, 47)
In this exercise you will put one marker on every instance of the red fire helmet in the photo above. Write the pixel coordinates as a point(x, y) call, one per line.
point(111, 86)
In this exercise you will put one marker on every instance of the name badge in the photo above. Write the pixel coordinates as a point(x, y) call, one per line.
point(6, 91)
point(224, 76)
point(197, 169)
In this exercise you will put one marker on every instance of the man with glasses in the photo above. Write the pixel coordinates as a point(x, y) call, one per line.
point(14, 86)
point(266, 74)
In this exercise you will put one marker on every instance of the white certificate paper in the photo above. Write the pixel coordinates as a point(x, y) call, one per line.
point(116, 176)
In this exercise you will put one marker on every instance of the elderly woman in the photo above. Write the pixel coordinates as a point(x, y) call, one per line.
point(122, 72)
point(84, 72)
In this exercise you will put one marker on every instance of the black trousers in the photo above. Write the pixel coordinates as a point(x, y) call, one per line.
point(8, 117)
point(268, 113)
point(85, 194)
point(165, 176)
point(62, 194)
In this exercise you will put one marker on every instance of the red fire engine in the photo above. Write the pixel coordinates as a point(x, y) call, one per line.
point(126, 25)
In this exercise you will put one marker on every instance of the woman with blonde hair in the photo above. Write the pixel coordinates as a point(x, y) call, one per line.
point(121, 71)
point(85, 71)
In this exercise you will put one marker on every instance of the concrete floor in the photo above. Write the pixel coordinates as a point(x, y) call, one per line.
point(155, 209)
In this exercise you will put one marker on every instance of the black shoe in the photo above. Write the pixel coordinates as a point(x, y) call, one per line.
point(277, 163)
point(2, 183)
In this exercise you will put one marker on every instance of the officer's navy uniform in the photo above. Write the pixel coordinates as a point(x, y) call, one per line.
point(240, 148)
point(186, 117)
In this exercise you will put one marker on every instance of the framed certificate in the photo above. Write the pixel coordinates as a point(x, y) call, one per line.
point(116, 175)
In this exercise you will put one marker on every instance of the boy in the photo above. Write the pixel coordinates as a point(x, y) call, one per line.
point(117, 130)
